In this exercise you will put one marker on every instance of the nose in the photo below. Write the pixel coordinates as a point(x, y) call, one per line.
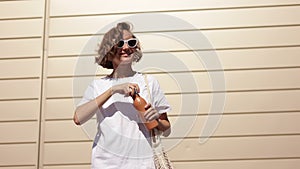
point(125, 46)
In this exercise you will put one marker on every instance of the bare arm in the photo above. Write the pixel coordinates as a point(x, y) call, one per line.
point(86, 111)
point(162, 119)
point(164, 124)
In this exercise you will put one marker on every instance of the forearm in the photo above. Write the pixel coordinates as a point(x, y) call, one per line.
point(164, 124)
point(86, 111)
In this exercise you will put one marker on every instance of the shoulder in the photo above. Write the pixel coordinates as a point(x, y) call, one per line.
point(149, 77)
point(98, 81)
point(152, 81)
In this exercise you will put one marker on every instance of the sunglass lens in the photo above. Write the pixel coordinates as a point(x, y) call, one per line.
point(132, 43)
point(120, 44)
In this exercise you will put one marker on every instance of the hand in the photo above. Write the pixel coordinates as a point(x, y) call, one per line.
point(126, 88)
point(151, 113)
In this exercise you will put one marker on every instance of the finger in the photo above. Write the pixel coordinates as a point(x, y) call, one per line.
point(153, 117)
point(127, 90)
point(147, 106)
point(136, 87)
point(148, 118)
point(147, 114)
point(131, 86)
point(130, 91)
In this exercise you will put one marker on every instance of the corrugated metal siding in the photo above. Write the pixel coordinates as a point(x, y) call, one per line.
point(257, 43)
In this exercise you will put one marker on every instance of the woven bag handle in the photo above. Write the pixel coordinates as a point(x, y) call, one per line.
point(154, 132)
point(147, 86)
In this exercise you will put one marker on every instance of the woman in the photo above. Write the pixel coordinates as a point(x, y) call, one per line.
point(122, 140)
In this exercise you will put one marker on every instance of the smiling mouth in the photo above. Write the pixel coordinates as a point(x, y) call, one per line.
point(125, 54)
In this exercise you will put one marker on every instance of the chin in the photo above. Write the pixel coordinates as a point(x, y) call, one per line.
point(127, 60)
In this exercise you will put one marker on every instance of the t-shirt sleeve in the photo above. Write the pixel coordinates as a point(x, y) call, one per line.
point(158, 97)
point(89, 95)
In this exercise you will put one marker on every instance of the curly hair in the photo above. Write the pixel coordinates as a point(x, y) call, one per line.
point(107, 47)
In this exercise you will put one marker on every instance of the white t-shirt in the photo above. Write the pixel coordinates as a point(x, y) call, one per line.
point(122, 141)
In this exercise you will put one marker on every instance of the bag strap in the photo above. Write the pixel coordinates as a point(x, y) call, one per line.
point(154, 132)
point(147, 86)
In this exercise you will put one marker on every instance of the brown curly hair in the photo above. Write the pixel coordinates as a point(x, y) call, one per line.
point(107, 47)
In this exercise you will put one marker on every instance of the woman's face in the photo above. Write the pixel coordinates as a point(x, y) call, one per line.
point(123, 55)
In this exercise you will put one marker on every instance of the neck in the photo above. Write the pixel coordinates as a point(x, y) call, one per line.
point(122, 71)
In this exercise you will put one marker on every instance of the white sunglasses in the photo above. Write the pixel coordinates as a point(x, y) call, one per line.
point(130, 42)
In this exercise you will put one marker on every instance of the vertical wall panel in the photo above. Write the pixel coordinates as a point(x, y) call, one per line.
point(21, 49)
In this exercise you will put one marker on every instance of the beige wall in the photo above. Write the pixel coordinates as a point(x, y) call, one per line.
point(258, 44)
